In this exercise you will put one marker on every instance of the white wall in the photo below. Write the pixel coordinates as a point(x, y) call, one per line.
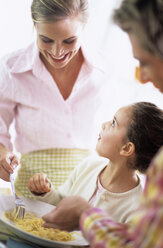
point(15, 25)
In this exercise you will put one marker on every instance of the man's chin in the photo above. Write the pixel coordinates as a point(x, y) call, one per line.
point(158, 86)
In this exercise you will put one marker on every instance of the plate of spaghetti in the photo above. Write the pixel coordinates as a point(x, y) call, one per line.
point(31, 227)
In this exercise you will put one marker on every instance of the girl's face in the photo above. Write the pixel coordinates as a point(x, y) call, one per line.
point(113, 134)
point(151, 66)
point(58, 42)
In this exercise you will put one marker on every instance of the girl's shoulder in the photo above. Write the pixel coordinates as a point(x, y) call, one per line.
point(92, 163)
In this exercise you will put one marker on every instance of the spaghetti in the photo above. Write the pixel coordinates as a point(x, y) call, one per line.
point(34, 225)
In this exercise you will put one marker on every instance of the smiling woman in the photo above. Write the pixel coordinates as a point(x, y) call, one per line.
point(54, 81)
point(59, 44)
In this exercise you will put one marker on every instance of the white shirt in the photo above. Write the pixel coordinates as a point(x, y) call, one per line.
point(83, 182)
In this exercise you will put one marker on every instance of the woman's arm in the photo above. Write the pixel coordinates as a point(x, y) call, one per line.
point(102, 231)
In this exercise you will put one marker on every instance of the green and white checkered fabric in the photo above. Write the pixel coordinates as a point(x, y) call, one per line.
point(56, 163)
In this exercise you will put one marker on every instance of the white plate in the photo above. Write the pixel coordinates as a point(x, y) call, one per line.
point(40, 208)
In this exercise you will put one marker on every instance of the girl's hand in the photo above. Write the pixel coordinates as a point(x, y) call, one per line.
point(8, 162)
point(39, 184)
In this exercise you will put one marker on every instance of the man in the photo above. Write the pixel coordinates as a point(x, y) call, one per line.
point(143, 21)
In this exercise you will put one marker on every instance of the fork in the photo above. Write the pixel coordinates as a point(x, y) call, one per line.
point(20, 207)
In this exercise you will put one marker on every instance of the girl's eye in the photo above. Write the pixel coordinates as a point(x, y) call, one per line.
point(113, 123)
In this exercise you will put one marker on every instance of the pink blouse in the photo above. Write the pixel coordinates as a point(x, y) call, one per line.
point(43, 119)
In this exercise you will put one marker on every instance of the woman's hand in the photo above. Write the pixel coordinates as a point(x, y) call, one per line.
point(8, 162)
point(67, 214)
point(39, 184)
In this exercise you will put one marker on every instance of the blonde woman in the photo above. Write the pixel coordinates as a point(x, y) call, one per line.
point(50, 90)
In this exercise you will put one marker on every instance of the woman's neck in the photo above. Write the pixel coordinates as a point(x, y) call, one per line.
point(118, 178)
point(66, 77)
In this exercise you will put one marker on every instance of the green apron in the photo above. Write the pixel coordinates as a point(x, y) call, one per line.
point(56, 163)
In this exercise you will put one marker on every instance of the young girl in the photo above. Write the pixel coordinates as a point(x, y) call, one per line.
point(110, 181)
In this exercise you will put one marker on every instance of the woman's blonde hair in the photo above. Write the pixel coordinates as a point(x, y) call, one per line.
point(144, 19)
point(45, 11)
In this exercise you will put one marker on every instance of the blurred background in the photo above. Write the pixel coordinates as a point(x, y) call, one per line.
point(101, 34)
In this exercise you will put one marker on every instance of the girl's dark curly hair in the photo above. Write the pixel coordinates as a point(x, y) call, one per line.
point(146, 132)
